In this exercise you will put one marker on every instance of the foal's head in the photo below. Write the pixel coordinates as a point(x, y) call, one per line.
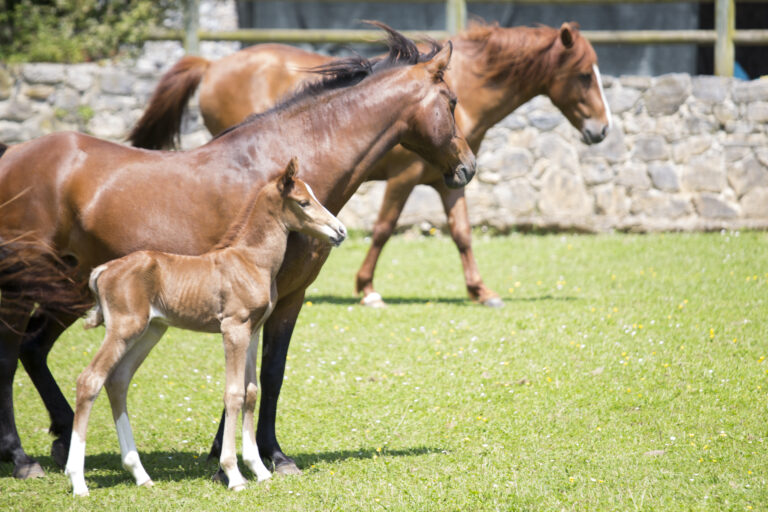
point(576, 87)
point(432, 132)
point(301, 211)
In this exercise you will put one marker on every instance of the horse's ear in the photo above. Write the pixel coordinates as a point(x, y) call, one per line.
point(286, 180)
point(437, 64)
point(566, 35)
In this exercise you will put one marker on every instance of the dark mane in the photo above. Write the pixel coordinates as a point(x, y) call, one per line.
point(520, 53)
point(350, 71)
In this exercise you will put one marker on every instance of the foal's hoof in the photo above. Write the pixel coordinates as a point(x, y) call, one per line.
point(29, 470)
point(148, 484)
point(373, 300)
point(287, 468)
point(60, 452)
point(494, 302)
point(237, 488)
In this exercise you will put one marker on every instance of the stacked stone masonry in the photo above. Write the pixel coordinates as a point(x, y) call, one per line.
point(684, 153)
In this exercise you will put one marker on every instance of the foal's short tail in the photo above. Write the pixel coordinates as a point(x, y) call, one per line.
point(160, 126)
point(95, 315)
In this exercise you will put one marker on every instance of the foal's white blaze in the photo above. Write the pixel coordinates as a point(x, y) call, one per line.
point(326, 229)
point(602, 95)
point(131, 460)
point(76, 465)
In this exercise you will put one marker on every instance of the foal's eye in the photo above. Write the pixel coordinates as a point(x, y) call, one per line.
point(304, 203)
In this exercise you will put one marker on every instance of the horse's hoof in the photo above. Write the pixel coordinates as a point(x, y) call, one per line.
point(494, 302)
point(148, 484)
point(60, 452)
point(29, 470)
point(287, 468)
point(220, 476)
point(237, 488)
point(373, 300)
point(81, 494)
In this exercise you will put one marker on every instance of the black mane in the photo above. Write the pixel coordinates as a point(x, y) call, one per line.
point(350, 71)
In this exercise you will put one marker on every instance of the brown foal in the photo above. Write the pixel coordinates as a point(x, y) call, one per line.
point(230, 289)
point(493, 71)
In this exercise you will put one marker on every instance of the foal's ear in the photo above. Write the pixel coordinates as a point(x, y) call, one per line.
point(286, 180)
point(437, 64)
point(566, 35)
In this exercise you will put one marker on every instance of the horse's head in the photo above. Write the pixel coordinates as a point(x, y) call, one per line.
point(576, 87)
point(302, 211)
point(432, 132)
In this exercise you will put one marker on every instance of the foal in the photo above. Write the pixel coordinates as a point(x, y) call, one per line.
point(230, 289)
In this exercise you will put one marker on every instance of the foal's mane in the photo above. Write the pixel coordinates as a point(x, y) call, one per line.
point(520, 53)
point(241, 219)
point(346, 72)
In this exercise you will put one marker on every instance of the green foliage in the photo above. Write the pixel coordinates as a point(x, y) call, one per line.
point(74, 30)
point(624, 373)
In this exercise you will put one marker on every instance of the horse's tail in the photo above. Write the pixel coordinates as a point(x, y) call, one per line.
point(96, 314)
point(3, 147)
point(33, 275)
point(160, 125)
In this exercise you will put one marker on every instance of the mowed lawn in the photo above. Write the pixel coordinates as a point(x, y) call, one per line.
point(625, 372)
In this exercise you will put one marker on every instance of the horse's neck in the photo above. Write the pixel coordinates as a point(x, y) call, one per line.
point(341, 134)
point(485, 103)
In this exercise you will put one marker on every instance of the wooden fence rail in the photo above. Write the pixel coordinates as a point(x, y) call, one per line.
point(724, 36)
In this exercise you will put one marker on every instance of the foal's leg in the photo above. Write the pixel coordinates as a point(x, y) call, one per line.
point(89, 384)
point(117, 390)
point(251, 455)
point(398, 189)
point(236, 336)
point(11, 328)
point(455, 206)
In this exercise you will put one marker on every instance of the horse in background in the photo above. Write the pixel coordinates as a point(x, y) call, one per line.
point(230, 289)
point(88, 201)
point(494, 70)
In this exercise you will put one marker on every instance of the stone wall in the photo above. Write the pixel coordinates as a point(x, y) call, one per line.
point(685, 153)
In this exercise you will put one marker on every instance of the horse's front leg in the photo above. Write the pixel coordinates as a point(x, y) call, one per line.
point(12, 325)
point(455, 205)
point(236, 336)
point(251, 455)
point(44, 331)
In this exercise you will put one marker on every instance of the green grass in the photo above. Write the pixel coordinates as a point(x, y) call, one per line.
point(625, 372)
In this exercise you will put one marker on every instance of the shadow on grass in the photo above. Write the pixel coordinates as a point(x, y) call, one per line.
point(177, 466)
point(395, 301)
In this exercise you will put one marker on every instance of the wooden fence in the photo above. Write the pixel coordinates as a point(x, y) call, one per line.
point(724, 36)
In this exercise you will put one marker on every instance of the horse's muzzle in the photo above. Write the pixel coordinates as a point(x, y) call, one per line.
point(461, 176)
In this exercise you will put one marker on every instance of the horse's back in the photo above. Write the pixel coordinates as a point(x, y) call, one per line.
point(252, 81)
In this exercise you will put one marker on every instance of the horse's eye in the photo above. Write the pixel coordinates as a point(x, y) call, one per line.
point(452, 102)
point(304, 203)
point(586, 79)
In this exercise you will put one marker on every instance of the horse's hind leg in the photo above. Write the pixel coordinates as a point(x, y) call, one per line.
point(251, 456)
point(11, 327)
point(44, 331)
point(117, 389)
point(455, 206)
point(398, 189)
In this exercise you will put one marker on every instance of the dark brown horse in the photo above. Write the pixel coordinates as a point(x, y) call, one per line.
point(90, 201)
point(494, 70)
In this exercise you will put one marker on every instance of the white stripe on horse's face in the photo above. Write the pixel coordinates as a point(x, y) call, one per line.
point(602, 95)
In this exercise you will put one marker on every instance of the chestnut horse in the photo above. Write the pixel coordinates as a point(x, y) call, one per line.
point(88, 201)
point(230, 289)
point(494, 70)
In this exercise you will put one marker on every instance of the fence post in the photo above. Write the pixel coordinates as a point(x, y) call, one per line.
point(455, 16)
point(725, 25)
point(191, 21)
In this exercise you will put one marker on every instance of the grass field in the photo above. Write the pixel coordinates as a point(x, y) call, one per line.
point(625, 373)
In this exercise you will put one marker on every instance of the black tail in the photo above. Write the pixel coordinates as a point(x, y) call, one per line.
point(3, 147)
point(32, 276)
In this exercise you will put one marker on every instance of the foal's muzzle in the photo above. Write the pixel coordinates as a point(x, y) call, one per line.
point(339, 236)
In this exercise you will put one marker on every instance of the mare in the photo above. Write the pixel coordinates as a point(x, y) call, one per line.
point(87, 201)
point(230, 289)
point(494, 70)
